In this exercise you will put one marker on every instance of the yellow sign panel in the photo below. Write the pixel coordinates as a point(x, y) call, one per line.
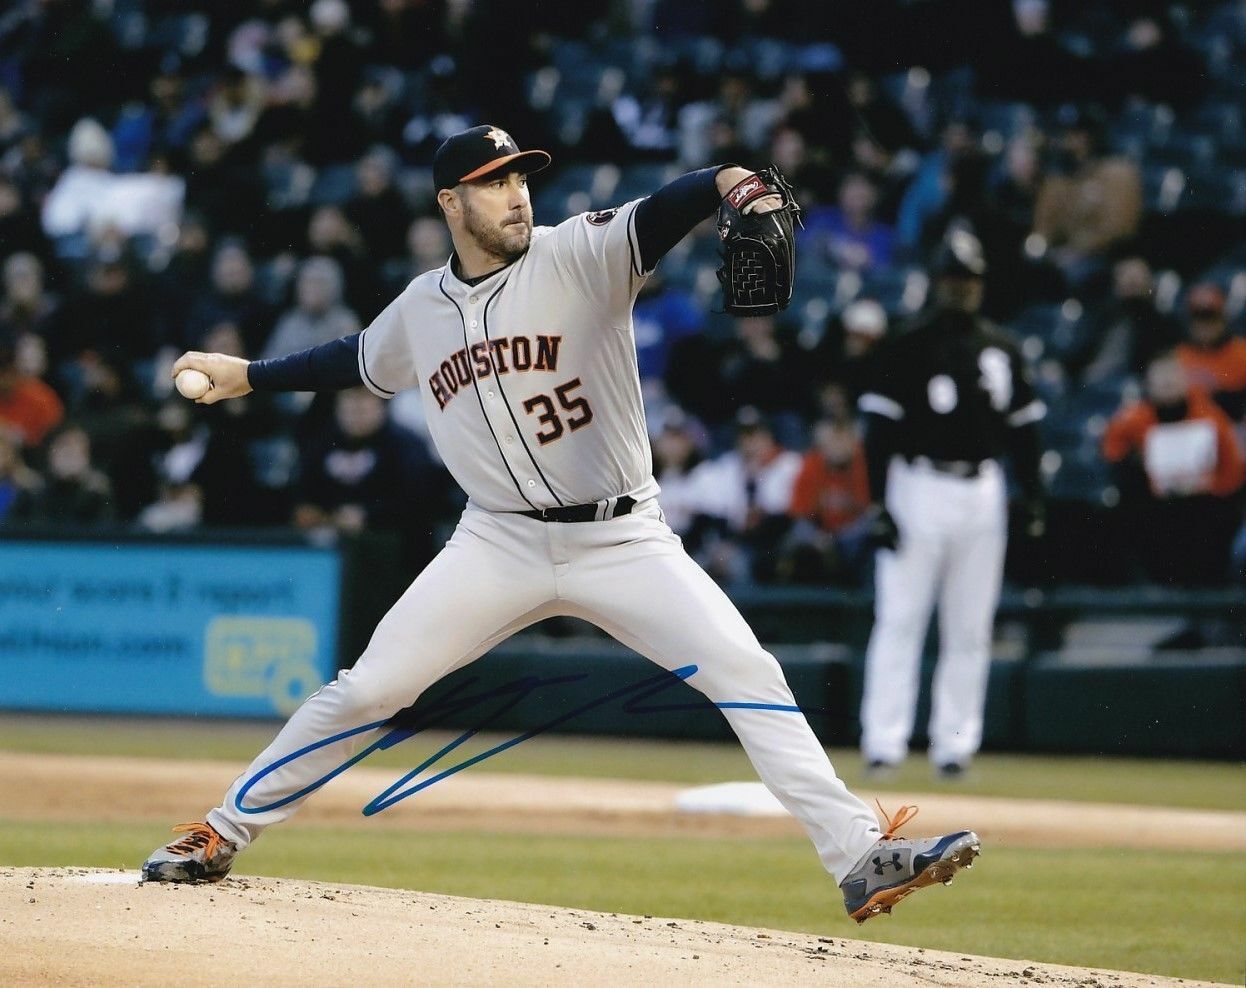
point(261, 656)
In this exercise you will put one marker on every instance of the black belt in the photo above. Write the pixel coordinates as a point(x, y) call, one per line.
point(599, 511)
point(966, 469)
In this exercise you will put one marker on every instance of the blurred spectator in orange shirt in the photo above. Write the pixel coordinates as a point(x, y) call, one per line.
point(829, 498)
point(28, 407)
point(1214, 360)
point(1180, 470)
point(832, 489)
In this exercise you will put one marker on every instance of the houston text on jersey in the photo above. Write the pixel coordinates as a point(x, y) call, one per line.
point(484, 358)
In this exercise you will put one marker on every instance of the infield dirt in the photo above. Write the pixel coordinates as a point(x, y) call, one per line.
point(75, 787)
point(61, 926)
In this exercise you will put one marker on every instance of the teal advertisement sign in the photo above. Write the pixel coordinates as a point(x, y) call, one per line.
point(238, 631)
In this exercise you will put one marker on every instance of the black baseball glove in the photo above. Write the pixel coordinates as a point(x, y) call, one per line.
point(881, 531)
point(759, 248)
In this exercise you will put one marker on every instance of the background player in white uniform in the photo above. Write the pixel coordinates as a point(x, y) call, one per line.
point(522, 348)
point(945, 400)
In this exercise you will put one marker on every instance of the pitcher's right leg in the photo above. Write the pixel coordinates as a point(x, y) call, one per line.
point(487, 582)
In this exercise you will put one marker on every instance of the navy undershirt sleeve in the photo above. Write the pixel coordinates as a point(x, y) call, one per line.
point(332, 366)
point(668, 215)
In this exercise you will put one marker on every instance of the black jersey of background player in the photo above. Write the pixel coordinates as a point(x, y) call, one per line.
point(954, 383)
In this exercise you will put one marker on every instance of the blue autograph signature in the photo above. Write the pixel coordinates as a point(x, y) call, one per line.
point(457, 699)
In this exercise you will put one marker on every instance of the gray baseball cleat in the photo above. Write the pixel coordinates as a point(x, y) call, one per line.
point(896, 867)
point(202, 855)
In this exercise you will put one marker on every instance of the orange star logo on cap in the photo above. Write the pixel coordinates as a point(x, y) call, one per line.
point(499, 138)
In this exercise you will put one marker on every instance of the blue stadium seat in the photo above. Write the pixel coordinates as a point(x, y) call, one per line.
point(1220, 119)
point(72, 247)
point(569, 118)
point(815, 282)
point(580, 82)
point(1050, 387)
point(1184, 150)
point(129, 24)
point(1055, 324)
point(288, 183)
point(396, 274)
point(631, 55)
point(334, 186)
point(766, 58)
point(640, 180)
point(1078, 479)
point(1006, 118)
point(1162, 188)
point(272, 280)
point(901, 291)
point(571, 56)
point(1104, 397)
point(185, 34)
point(704, 54)
point(1062, 429)
point(1149, 121)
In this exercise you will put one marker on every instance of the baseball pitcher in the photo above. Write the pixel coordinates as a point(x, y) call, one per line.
point(522, 349)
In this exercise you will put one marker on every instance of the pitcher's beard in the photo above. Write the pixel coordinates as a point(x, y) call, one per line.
point(505, 242)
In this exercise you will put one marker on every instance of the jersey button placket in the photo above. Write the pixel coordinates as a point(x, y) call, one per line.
point(495, 411)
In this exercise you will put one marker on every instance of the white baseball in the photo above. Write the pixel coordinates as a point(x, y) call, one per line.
point(192, 383)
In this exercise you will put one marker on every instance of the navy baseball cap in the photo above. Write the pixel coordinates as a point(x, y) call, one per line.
point(472, 154)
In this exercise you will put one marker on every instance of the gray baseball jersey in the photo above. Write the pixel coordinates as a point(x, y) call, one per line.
point(528, 378)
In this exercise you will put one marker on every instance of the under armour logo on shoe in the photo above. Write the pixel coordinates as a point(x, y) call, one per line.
point(879, 864)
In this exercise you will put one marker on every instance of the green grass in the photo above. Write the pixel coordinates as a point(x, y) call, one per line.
point(1126, 910)
point(1165, 782)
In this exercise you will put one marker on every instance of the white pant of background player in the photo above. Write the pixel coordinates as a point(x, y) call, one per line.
point(952, 537)
point(630, 576)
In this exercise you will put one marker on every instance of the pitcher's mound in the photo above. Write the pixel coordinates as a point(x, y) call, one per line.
point(91, 926)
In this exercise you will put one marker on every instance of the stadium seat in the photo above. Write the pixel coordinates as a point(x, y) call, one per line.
point(640, 180)
point(1162, 188)
point(1005, 118)
point(186, 34)
point(1103, 397)
point(289, 183)
point(334, 186)
point(272, 280)
point(1055, 324)
point(1217, 118)
point(767, 58)
point(1149, 121)
point(901, 291)
point(815, 284)
point(580, 82)
point(129, 24)
point(1078, 478)
point(1183, 150)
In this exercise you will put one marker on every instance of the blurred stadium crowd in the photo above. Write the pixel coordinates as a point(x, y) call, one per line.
point(255, 178)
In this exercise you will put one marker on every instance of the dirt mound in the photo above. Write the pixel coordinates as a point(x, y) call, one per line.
point(92, 926)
